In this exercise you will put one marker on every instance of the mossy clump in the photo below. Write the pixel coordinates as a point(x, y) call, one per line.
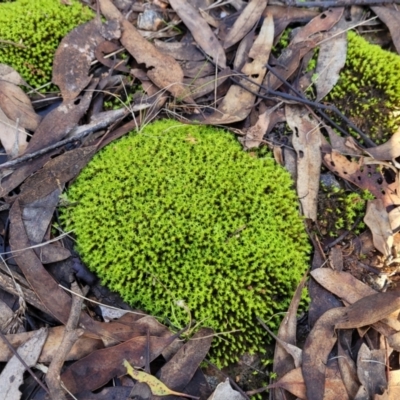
point(368, 90)
point(338, 209)
point(180, 212)
point(30, 32)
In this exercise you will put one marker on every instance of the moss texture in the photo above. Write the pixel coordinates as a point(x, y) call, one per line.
point(368, 90)
point(37, 27)
point(180, 212)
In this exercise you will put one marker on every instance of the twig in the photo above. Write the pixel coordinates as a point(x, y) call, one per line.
point(71, 335)
point(78, 134)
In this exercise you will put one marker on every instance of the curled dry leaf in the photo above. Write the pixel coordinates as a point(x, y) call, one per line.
point(248, 17)
point(306, 142)
point(12, 375)
point(99, 367)
point(224, 391)
point(387, 151)
point(17, 106)
point(200, 30)
point(366, 176)
point(371, 370)
point(79, 45)
point(317, 347)
point(163, 70)
point(379, 305)
point(12, 137)
point(238, 102)
point(391, 18)
point(377, 220)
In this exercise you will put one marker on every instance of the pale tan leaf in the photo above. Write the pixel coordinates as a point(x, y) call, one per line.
point(12, 137)
point(391, 18)
point(293, 382)
point(224, 391)
point(248, 17)
point(17, 106)
point(10, 75)
point(387, 151)
point(307, 143)
point(200, 30)
point(238, 102)
point(377, 220)
point(12, 375)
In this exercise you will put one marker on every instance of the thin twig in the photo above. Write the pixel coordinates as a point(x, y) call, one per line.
point(71, 335)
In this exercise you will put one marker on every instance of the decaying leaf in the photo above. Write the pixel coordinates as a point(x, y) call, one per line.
point(245, 22)
point(163, 70)
point(387, 151)
point(391, 18)
point(10, 75)
point(200, 30)
point(12, 137)
point(306, 142)
point(79, 45)
point(348, 370)
point(224, 391)
point(238, 102)
point(379, 305)
point(156, 386)
point(181, 368)
point(317, 347)
point(17, 106)
point(293, 382)
point(377, 220)
point(12, 375)
point(371, 370)
point(366, 175)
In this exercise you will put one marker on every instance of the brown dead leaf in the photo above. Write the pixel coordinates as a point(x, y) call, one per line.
point(371, 370)
point(283, 16)
point(78, 45)
point(366, 176)
point(378, 305)
point(55, 174)
point(224, 391)
point(317, 347)
point(348, 370)
point(202, 33)
point(377, 220)
point(351, 290)
point(60, 121)
point(96, 369)
point(293, 382)
point(387, 151)
point(254, 134)
point(179, 371)
point(11, 377)
point(12, 136)
point(323, 22)
point(82, 347)
point(10, 75)
point(283, 361)
point(334, 386)
point(163, 70)
point(343, 145)
point(238, 102)
point(17, 106)
point(306, 142)
point(248, 17)
point(394, 219)
point(391, 18)
point(180, 51)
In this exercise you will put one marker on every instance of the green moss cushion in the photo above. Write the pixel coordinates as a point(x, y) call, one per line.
point(180, 212)
point(368, 90)
point(38, 27)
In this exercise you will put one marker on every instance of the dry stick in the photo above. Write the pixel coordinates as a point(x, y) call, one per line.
point(71, 335)
point(22, 361)
point(81, 133)
point(339, 3)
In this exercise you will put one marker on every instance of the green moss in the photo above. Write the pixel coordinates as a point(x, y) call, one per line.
point(180, 212)
point(338, 209)
point(368, 90)
point(36, 28)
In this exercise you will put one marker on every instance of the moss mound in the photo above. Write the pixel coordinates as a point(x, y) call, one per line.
point(30, 32)
point(368, 90)
point(180, 212)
